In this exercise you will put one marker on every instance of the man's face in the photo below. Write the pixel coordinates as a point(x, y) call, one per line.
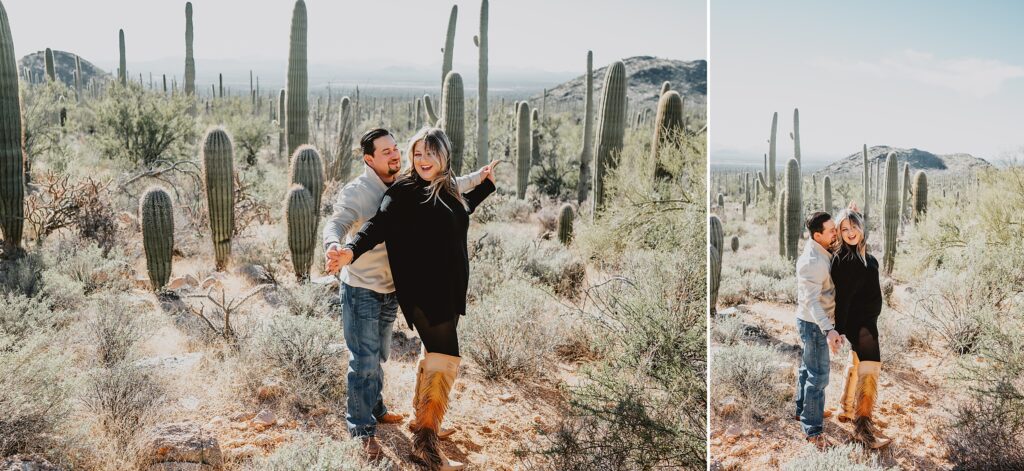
point(386, 159)
point(827, 236)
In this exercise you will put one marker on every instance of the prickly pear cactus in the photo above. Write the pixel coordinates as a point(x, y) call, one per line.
point(453, 120)
point(157, 215)
point(12, 184)
point(523, 149)
point(218, 176)
point(565, 218)
point(301, 219)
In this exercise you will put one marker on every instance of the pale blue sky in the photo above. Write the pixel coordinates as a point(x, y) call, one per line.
point(941, 76)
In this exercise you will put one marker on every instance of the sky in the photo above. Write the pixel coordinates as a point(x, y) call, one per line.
point(940, 76)
point(537, 35)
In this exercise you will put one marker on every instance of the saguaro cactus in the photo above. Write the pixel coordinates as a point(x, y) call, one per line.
point(767, 178)
point(794, 208)
point(449, 43)
point(734, 243)
point(905, 193)
point(826, 186)
point(297, 116)
point(587, 155)
point(190, 60)
point(523, 151)
point(307, 169)
point(891, 210)
point(482, 114)
point(428, 107)
point(51, 74)
point(612, 127)
point(346, 125)
point(157, 216)
point(781, 221)
point(716, 233)
point(122, 72)
point(665, 87)
point(565, 217)
point(301, 218)
point(218, 176)
point(919, 198)
point(12, 183)
point(867, 190)
point(668, 124)
point(79, 83)
point(715, 267)
point(453, 120)
point(796, 134)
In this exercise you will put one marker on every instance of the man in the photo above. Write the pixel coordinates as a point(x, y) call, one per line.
point(815, 316)
point(369, 304)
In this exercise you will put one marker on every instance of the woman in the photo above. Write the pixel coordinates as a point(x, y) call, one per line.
point(423, 220)
point(858, 304)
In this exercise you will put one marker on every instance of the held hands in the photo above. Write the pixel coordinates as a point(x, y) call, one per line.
point(853, 207)
point(337, 257)
point(488, 170)
point(834, 341)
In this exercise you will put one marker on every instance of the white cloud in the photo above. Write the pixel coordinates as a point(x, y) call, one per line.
point(973, 77)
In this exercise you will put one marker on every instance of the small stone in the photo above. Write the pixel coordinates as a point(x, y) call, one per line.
point(242, 416)
point(265, 418)
point(728, 405)
point(218, 421)
point(240, 425)
point(184, 442)
point(177, 283)
point(538, 419)
point(243, 452)
point(507, 430)
point(477, 459)
point(212, 281)
point(486, 430)
point(191, 280)
point(507, 397)
point(27, 463)
point(270, 389)
point(281, 422)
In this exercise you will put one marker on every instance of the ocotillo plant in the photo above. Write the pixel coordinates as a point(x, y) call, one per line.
point(891, 210)
point(796, 134)
point(297, 116)
point(611, 128)
point(157, 216)
point(482, 112)
point(12, 183)
point(668, 125)
point(794, 209)
point(218, 176)
point(190, 60)
point(919, 201)
point(565, 217)
point(767, 178)
point(51, 73)
point(826, 188)
point(523, 151)
point(715, 266)
point(307, 169)
point(587, 154)
point(122, 72)
point(428, 106)
point(453, 120)
point(449, 44)
point(301, 218)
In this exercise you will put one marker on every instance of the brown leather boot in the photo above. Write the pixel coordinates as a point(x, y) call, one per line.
point(867, 393)
point(849, 398)
point(435, 376)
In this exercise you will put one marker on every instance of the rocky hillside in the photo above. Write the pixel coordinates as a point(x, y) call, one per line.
point(852, 166)
point(645, 75)
point(64, 64)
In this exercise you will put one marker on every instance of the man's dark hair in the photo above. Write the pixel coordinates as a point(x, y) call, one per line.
point(816, 222)
point(366, 142)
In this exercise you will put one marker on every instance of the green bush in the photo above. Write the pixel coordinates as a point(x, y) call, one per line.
point(116, 328)
point(22, 317)
point(35, 397)
point(751, 374)
point(305, 353)
point(846, 457)
point(123, 399)
point(142, 127)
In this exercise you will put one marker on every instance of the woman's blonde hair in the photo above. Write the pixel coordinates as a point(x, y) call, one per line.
point(856, 222)
point(436, 141)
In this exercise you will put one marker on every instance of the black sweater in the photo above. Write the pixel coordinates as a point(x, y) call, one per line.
point(426, 243)
point(858, 293)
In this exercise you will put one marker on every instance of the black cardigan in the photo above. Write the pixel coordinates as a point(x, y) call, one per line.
point(858, 293)
point(426, 243)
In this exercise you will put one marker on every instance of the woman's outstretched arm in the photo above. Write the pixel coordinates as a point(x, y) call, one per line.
point(376, 229)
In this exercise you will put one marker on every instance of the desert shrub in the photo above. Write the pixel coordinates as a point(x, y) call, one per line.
point(309, 299)
point(142, 127)
point(34, 399)
point(86, 263)
point(249, 132)
point(848, 457)
point(503, 208)
point(316, 452)
point(494, 259)
point(43, 133)
point(263, 252)
point(23, 275)
point(751, 374)
point(115, 329)
point(123, 399)
point(553, 175)
point(954, 309)
point(305, 353)
point(22, 317)
point(513, 332)
point(556, 267)
point(728, 330)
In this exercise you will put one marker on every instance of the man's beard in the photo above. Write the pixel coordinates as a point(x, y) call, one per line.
point(392, 171)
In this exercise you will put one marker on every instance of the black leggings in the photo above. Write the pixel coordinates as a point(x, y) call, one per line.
point(440, 338)
point(864, 339)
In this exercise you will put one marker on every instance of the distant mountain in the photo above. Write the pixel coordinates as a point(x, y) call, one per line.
point(853, 165)
point(645, 75)
point(64, 67)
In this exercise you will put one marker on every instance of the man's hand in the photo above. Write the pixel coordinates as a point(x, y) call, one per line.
point(488, 170)
point(834, 341)
point(853, 206)
point(337, 257)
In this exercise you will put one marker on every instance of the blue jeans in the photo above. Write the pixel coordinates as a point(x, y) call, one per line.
point(367, 317)
point(812, 378)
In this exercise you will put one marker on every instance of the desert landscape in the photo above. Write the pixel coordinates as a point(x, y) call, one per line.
point(162, 301)
point(950, 328)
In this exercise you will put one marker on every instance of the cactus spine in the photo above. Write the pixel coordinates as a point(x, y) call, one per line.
point(565, 217)
point(297, 106)
point(523, 151)
point(919, 201)
point(611, 128)
point(190, 60)
point(12, 184)
point(300, 217)
point(794, 208)
point(668, 123)
point(157, 216)
point(218, 176)
point(307, 169)
point(767, 178)
point(122, 72)
point(449, 44)
point(453, 121)
point(587, 155)
point(826, 188)
point(482, 114)
point(51, 74)
point(891, 210)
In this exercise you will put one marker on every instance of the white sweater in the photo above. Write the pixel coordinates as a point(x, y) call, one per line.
point(816, 295)
point(356, 203)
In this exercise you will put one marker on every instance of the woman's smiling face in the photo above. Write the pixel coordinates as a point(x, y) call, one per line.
point(850, 233)
point(426, 162)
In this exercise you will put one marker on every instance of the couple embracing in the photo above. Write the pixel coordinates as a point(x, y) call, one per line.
point(839, 299)
point(398, 238)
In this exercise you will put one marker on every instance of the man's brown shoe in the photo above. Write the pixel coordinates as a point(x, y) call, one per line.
point(391, 418)
point(372, 448)
point(820, 442)
point(443, 434)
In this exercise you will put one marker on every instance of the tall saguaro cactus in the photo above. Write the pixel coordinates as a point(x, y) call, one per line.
point(300, 217)
point(157, 216)
point(891, 210)
point(781, 221)
point(796, 134)
point(919, 198)
point(587, 154)
point(668, 123)
point(218, 176)
point(794, 209)
point(767, 178)
point(346, 125)
point(612, 127)
point(482, 114)
point(51, 73)
point(714, 281)
point(826, 188)
point(905, 193)
point(428, 107)
point(190, 60)
point(297, 107)
point(453, 120)
point(12, 183)
point(565, 217)
point(307, 169)
point(867, 190)
point(449, 44)
point(523, 151)
point(122, 72)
